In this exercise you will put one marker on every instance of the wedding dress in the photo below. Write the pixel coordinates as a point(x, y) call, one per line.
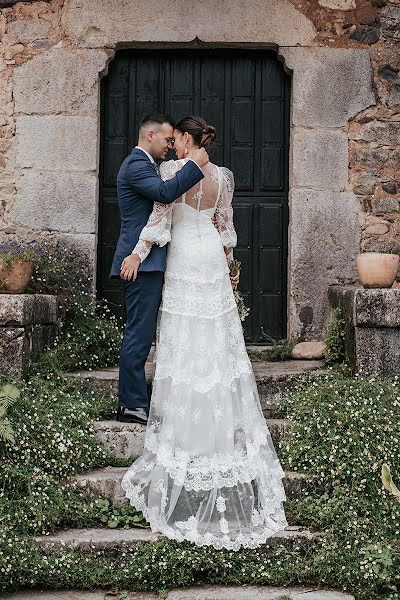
point(209, 473)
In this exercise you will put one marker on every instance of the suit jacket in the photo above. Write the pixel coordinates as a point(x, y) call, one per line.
point(138, 187)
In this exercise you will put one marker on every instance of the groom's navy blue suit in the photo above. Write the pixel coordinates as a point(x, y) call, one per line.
point(139, 186)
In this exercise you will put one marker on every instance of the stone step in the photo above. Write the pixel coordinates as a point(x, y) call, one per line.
point(120, 539)
point(207, 592)
point(106, 483)
point(126, 439)
point(274, 379)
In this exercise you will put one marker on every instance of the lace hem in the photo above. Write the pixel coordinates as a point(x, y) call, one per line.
point(254, 540)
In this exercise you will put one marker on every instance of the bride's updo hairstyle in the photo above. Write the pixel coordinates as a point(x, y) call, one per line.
point(203, 134)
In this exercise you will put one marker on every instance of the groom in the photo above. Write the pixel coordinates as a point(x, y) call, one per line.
point(139, 185)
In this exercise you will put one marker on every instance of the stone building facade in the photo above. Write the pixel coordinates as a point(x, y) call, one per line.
point(344, 167)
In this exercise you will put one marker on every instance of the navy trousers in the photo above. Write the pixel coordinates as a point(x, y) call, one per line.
point(142, 300)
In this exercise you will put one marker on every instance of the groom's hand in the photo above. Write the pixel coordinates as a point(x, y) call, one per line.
point(129, 268)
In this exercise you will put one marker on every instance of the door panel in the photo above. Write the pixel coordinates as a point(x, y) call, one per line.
point(245, 95)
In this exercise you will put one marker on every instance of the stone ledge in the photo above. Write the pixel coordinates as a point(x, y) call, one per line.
point(372, 328)
point(19, 310)
point(374, 308)
point(106, 483)
point(377, 308)
point(125, 440)
point(206, 592)
point(117, 539)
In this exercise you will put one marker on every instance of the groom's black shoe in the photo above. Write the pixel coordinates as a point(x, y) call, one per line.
point(132, 415)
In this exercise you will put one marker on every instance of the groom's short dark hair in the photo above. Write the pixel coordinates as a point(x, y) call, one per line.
point(156, 119)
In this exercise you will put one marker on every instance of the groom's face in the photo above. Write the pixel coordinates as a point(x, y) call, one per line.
point(162, 140)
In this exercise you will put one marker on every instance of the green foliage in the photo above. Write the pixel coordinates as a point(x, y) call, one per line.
point(122, 516)
point(279, 349)
point(90, 339)
point(335, 338)
point(91, 336)
point(8, 395)
point(343, 428)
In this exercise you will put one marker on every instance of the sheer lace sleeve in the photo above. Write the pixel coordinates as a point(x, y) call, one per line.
point(158, 227)
point(224, 213)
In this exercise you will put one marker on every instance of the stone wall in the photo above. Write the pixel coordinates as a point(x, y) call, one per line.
point(344, 179)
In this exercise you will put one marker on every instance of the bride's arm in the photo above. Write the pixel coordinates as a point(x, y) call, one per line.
point(224, 214)
point(158, 227)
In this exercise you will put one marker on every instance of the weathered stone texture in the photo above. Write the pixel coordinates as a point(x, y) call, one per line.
point(372, 327)
point(57, 143)
point(320, 159)
point(377, 308)
point(60, 81)
point(56, 201)
point(19, 310)
point(378, 351)
point(95, 23)
point(20, 345)
point(338, 4)
point(324, 233)
point(329, 85)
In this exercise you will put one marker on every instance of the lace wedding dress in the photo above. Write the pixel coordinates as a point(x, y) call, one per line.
point(209, 472)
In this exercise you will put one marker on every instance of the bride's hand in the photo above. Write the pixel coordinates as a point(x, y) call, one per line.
point(130, 266)
point(235, 281)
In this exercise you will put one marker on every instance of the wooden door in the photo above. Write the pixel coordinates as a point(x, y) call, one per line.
point(245, 95)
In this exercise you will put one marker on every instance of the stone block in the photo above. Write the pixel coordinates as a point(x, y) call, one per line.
point(121, 439)
point(56, 201)
point(338, 4)
point(74, 77)
point(325, 239)
point(20, 310)
point(29, 29)
point(13, 351)
point(320, 159)
point(378, 350)
point(377, 308)
point(57, 143)
point(20, 345)
point(384, 133)
point(93, 24)
point(330, 85)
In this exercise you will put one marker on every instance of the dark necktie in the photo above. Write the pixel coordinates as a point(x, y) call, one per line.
point(157, 169)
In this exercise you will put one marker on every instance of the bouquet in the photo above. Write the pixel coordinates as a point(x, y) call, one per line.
point(243, 310)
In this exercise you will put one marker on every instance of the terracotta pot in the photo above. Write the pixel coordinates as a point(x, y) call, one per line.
point(377, 270)
point(15, 278)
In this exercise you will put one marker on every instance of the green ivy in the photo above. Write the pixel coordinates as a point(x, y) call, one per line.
point(335, 339)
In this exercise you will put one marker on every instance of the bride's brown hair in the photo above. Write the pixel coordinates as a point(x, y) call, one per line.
point(202, 133)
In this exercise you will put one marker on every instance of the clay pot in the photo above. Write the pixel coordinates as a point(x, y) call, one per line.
point(14, 279)
point(377, 270)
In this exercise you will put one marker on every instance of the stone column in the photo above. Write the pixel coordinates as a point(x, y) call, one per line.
point(28, 323)
point(372, 327)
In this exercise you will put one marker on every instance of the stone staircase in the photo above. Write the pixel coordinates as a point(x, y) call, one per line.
point(125, 440)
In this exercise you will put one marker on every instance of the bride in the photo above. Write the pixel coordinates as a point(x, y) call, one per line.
point(209, 473)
